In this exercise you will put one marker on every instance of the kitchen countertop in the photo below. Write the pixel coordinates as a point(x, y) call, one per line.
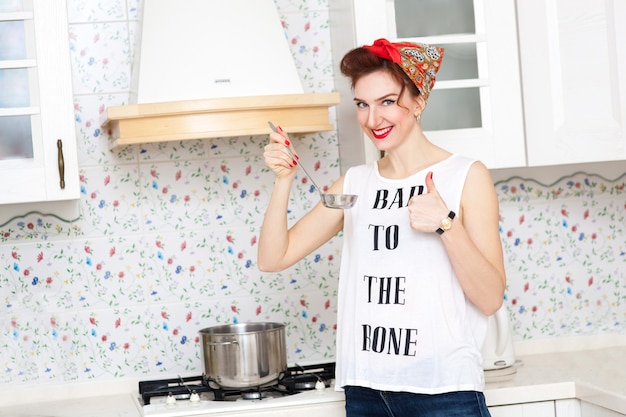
point(595, 375)
point(102, 406)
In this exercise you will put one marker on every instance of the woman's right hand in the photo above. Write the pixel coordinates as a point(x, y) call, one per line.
point(277, 156)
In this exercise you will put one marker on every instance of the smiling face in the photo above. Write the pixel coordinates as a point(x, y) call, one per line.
point(386, 113)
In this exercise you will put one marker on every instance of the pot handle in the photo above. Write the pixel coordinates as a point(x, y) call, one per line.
point(230, 342)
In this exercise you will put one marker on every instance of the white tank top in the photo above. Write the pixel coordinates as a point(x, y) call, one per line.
point(404, 323)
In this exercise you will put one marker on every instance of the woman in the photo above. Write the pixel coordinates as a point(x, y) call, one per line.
point(422, 263)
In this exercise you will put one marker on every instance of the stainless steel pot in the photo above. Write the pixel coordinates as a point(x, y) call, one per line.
point(244, 355)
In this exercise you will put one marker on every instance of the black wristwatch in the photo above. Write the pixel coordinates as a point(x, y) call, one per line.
point(446, 223)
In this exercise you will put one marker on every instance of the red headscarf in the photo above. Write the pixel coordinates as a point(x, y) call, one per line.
point(419, 61)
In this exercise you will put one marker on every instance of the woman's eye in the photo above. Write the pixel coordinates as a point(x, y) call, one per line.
point(361, 105)
point(388, 102)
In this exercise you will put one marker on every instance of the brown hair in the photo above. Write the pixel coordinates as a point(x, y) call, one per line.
point(359, 62)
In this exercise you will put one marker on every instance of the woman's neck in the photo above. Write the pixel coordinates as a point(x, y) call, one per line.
point(413, 156)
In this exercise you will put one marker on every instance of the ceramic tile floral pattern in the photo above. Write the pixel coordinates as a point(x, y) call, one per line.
point(565, 250)
point(165, 243)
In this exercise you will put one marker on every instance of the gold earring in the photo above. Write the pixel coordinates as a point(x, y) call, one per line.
point(419, 117)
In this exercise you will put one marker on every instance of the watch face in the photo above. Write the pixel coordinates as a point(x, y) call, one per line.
point(446, 223)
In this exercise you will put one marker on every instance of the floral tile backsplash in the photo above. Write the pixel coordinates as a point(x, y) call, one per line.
point(165, 244)
point(565, 252)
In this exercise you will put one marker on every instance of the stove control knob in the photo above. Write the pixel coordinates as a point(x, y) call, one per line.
point(320, 386)
point(170, 401)
point(194, 398)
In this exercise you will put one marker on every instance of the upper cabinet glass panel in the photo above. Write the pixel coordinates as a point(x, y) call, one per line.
point(16, 138)
point(13, 45)
point(7, 6)
point(453, 23)
point(18, 80)
point(434, 17)
point(460, 62)
point(14, 88)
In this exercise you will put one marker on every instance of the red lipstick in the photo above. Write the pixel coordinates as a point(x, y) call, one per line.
point(381, 133)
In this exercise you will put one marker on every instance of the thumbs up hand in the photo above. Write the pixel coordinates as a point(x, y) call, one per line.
point(427, 210)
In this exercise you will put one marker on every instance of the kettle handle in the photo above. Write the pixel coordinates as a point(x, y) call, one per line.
point(502, 326)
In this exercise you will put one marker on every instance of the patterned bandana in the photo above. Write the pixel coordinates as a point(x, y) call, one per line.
point(420, 62)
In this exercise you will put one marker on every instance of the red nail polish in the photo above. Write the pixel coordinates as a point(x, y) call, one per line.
point(280, 129)
point(297, 157)
point(430, 175)
point(295, 163)
point(287, 142)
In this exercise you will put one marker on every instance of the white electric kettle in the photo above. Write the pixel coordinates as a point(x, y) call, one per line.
point(498, 351)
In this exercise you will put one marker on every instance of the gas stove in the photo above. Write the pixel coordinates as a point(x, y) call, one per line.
point(199, 395)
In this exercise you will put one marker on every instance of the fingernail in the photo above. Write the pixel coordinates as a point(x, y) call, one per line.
point(430, 175)
point(295, 163)
point(297, 157)
point(280, 129)
point(287, 142)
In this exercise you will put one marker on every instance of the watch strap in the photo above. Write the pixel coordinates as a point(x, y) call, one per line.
point(451, 216)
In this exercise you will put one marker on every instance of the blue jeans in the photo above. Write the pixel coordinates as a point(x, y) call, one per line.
point(366, 402)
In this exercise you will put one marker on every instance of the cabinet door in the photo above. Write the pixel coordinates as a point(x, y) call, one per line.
point(476, 107)
point(574, 80)
point(567, 408)
point(37, 134)
point(538, 409)
point(332, 409)
point(592, 410)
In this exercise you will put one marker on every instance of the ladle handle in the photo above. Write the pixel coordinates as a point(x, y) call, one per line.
point(301, 166)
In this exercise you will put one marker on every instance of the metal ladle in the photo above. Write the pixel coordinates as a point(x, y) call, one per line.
point(336, 201)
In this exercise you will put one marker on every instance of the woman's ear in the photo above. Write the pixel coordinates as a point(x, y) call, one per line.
point(420, 105)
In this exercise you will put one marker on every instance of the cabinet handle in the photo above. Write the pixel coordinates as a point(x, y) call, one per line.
point(61, 163)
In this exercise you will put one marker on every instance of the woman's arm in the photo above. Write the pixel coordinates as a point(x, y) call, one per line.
point(279, 246)
point(473, 243)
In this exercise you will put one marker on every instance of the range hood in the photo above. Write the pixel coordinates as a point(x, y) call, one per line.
point(209, 68)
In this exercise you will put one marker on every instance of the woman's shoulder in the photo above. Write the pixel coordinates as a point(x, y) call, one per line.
point(479, 180)
point(462, 159)
point(455, 166)
point(478, 169)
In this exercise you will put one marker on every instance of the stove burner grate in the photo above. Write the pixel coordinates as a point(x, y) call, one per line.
point(295, 379)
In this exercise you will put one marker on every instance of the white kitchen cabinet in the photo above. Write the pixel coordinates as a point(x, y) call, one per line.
point(558, 408)
point(573, 77)
point(573, 57)
point(331, 409)
point(592, 410)
point(567, 408)
point(476, 107)
point(537, 409)
point(38, 160)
